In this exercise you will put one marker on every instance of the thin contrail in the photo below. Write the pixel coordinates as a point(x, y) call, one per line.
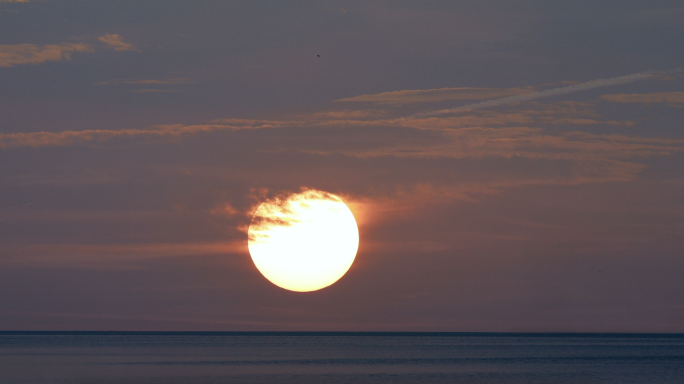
point(552, 92)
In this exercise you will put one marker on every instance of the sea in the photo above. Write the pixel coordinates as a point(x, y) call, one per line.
point(338, 357)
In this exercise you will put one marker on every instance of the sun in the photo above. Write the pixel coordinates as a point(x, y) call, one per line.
point(305, 241)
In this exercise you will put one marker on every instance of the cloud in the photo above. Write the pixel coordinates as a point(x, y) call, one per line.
point(560, 113)
point(515, 134)
point(512, 134)
point(407, 197)
point(152, 82)
point(526, 142)
point(108, 255)
point(350, 115)
point(11, 55)
point(66, 138)
point(177, 80)
point(552, 92)
point(171, 81)
point(436, 95)
point(63, 138)
point(567, 113)
point(534, 114)
point(672, 98)
point(15, 1)
point(481, 153)
point(116, 42)
point(157, 90)
point(283, 211)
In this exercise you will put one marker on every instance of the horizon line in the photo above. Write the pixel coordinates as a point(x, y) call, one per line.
point(345, 333)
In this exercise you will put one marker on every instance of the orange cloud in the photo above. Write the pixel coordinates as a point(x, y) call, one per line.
point(152, 90)
point(227, 210)
point(478, 134)
point(115, 41)
point(672, 98)
point(172, 81)
point(511, 133)
point(42, 139)
point(108, 255)
point(436, 95)
point(522, 142)
point(347, 115)
point(551, 92)
point(176, 80)
point(11, 55)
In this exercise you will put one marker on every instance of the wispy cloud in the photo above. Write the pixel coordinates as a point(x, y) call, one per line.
point(436, 95)
point(176, 80)
point(673, 98)
point(106, 255)
point(170, 81)
point(525, 142)
point(11, 55)
point(157, 90)
point(15, 1)
point(151, 82)
point(115, 41)
point(43, 139)
point(567, 113)
point(513, 133)
point(553, 92)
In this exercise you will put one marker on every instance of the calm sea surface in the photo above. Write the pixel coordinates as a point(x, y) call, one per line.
point(184, 358)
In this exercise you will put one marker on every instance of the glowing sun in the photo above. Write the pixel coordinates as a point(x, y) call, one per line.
point(305, 241)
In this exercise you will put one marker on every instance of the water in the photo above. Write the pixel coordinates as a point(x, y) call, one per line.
point(215, 357)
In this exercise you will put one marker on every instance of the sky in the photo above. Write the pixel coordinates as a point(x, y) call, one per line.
point(512, 166)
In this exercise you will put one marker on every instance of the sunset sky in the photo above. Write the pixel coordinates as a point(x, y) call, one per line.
point(512, 166)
